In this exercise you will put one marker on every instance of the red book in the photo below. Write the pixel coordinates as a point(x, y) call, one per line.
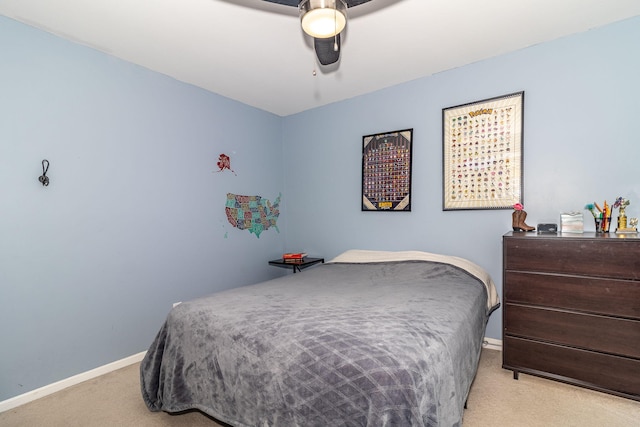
point(296, 255)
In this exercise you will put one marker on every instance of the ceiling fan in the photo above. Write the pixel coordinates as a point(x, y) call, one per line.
point(323, 20)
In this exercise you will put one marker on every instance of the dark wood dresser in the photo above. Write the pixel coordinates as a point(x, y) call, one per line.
point(571, 309)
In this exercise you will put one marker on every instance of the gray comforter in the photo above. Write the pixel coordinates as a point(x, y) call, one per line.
point(375, 344)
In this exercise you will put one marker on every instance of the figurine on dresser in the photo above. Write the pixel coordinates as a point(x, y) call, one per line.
point(622, 204)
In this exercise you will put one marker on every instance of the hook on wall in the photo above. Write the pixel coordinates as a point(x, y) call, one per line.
point(44, 179)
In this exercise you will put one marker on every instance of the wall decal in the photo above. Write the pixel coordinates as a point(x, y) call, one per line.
point(224, 162)
point(252, 213)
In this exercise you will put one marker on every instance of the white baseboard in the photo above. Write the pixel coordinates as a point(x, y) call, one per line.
point(492, 344)
point(32, 395)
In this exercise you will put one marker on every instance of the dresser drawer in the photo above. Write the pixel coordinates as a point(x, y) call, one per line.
point(598, 333)
point(613, 374)
point(613, 258)
point(594, 295)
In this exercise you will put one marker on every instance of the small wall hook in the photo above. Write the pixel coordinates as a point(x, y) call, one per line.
point(44, 179)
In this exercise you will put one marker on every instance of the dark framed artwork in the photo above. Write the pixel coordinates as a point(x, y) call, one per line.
point(482, 153)
point(386, 171)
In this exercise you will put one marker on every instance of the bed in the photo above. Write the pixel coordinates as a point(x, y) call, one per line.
point(370, 338)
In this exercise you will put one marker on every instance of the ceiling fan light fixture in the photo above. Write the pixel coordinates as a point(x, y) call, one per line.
point(323, 18)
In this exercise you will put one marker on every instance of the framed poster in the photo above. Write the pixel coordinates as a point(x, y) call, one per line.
point(482, 154)
point(386, 171)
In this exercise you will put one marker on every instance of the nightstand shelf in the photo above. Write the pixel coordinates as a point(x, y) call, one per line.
point(296, 265)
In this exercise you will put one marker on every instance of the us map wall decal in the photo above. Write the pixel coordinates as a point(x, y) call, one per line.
point(252, 213)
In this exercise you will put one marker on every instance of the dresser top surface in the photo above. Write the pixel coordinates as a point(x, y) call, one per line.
point(611, 236)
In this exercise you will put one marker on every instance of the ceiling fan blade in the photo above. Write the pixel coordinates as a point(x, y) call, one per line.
point(295, 3)
point(325, 49)
point(351, 3)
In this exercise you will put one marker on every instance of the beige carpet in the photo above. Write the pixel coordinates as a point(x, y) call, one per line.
point(496, 400)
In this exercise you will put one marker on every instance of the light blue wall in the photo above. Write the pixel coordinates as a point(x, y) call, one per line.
point(581, 144)
point(133, 219)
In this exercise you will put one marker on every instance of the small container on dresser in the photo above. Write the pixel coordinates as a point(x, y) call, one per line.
point(571, 309)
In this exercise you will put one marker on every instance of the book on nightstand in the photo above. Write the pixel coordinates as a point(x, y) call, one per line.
point(293, 257)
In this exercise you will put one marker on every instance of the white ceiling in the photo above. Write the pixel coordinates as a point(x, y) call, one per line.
point(255, 52)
